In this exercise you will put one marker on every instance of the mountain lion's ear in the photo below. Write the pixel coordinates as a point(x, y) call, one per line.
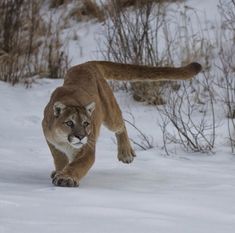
point(58, 108)
point(90, 108)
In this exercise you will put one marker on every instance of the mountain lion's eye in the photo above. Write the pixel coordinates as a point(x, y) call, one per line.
point(85, 124)
point(70, 124)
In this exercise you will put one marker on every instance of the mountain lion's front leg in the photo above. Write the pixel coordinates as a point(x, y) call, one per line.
point(125, 152)
point(60, 159)
point(76, 170)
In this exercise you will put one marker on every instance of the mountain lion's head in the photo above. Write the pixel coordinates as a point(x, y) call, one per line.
point(72, 124)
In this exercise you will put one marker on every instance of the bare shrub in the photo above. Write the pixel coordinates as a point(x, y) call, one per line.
point(226, 64)
point(188, 117)
point(26, 44)
point(187, 123)
point(15, 26)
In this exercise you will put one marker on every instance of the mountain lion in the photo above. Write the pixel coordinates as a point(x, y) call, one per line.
point(76, 110)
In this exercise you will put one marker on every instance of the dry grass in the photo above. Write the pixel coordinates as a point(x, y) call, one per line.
point(28, 45)
point(91, 8)
point(85, 10)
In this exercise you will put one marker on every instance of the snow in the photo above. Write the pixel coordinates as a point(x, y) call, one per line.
point(85, 48)
point(180, 193)
point(156, 193)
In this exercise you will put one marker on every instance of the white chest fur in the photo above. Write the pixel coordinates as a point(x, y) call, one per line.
point(59, 140)
point(65, 148)
point(68, 150)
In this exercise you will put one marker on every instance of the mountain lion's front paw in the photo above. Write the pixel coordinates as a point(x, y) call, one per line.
point(64, 180)
point(126, 155)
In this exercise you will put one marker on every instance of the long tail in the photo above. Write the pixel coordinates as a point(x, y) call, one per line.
point(118, 71)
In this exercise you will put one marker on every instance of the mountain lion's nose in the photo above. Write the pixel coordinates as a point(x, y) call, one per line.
point(80, 137)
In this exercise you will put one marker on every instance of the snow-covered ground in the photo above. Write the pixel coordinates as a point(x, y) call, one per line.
point(183, 193)
point(156, 193)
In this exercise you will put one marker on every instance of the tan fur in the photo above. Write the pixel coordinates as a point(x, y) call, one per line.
point(77, 109)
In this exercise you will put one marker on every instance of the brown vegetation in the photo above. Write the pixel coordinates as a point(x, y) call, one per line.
point(29, 45)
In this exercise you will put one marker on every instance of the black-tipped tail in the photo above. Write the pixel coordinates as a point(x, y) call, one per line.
point(196, 67)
